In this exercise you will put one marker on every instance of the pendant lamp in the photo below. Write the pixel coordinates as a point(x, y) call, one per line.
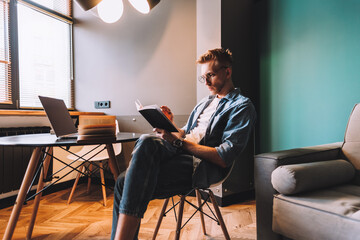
point(144, 6)
point(87, 4)
point(109, 11)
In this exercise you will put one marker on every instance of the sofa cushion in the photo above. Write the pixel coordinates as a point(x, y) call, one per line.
point(295, 178)
point(330, 214)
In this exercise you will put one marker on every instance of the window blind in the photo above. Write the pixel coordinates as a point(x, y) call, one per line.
point(59, 6)
point(5, 71)
point(44, 56)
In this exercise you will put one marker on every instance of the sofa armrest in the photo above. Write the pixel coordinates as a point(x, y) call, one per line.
point(304, 155)
point(266, 163)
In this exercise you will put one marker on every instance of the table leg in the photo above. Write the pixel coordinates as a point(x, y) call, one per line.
point(49, 151)
point(29, 174)
point(112, 160)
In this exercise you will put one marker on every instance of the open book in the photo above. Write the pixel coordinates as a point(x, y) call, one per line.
point(155, 117)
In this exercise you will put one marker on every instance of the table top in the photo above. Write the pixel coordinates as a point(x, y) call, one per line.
point(47, 139)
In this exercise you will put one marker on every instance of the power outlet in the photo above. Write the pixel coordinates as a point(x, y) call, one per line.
point(102, 104)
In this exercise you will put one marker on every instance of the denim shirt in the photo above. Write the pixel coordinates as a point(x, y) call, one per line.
point(228, 131)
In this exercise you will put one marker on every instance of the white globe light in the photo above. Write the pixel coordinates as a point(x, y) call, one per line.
point(110, 10)
point(141, 5)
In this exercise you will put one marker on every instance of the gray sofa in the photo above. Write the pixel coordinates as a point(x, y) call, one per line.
point(311, 193)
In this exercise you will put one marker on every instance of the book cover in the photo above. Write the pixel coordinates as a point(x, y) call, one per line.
point(155, 117)
point(96, 138)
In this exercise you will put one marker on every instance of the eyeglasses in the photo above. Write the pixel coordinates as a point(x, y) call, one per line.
point(210, 75)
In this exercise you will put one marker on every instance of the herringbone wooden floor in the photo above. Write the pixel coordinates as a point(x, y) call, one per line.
point(87, 218)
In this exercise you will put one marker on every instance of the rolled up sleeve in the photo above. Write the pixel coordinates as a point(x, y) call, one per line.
point(236, 133)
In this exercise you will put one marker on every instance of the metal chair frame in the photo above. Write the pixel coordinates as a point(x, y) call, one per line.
point(217, 217)
point(86, 158)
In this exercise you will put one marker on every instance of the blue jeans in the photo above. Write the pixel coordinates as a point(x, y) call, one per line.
point(156, 170)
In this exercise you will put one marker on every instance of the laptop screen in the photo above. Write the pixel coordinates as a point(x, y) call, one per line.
point(58, 116)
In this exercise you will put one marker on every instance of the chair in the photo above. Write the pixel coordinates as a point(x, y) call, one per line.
point(201, 202)
point(203, 195)
point(91, 154)
point(311, 192)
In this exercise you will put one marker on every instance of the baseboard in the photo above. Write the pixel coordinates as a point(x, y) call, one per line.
point(235, 198)
point(10, 201)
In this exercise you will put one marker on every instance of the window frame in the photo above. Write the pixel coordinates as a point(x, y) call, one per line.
point(14, 54)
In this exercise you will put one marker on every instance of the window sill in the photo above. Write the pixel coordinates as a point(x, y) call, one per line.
point(41, 113)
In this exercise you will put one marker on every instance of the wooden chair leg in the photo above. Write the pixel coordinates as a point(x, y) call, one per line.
point(219, 216)
point(89, 178)
point(102, 182)
point(112, 161)
point(198, 196)
point(160, 218)
point(75, 184)
point(180, 215)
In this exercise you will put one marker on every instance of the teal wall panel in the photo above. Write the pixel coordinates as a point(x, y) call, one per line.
point(310, 71)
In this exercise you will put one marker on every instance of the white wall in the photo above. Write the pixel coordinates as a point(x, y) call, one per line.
point(147, 57)
point(208, 20)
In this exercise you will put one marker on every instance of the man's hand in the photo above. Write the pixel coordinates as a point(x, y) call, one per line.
point(167, 113)
point(204, 152)
point(167, 136)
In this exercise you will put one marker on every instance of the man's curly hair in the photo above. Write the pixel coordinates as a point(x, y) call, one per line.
point(219, 55)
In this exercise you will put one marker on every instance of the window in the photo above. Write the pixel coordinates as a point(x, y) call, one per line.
point(42, 38)
point(5, 78)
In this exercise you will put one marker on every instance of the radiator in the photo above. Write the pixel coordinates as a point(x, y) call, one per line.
point(14, 160)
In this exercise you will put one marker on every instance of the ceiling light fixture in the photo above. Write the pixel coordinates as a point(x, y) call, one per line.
point(87, 4)
point(108, 11)
point(111, 11)
point(144, 6)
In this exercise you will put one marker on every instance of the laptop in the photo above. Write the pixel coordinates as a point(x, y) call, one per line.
point(59, 117)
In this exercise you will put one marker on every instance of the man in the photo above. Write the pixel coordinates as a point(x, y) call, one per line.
point(199, 155)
